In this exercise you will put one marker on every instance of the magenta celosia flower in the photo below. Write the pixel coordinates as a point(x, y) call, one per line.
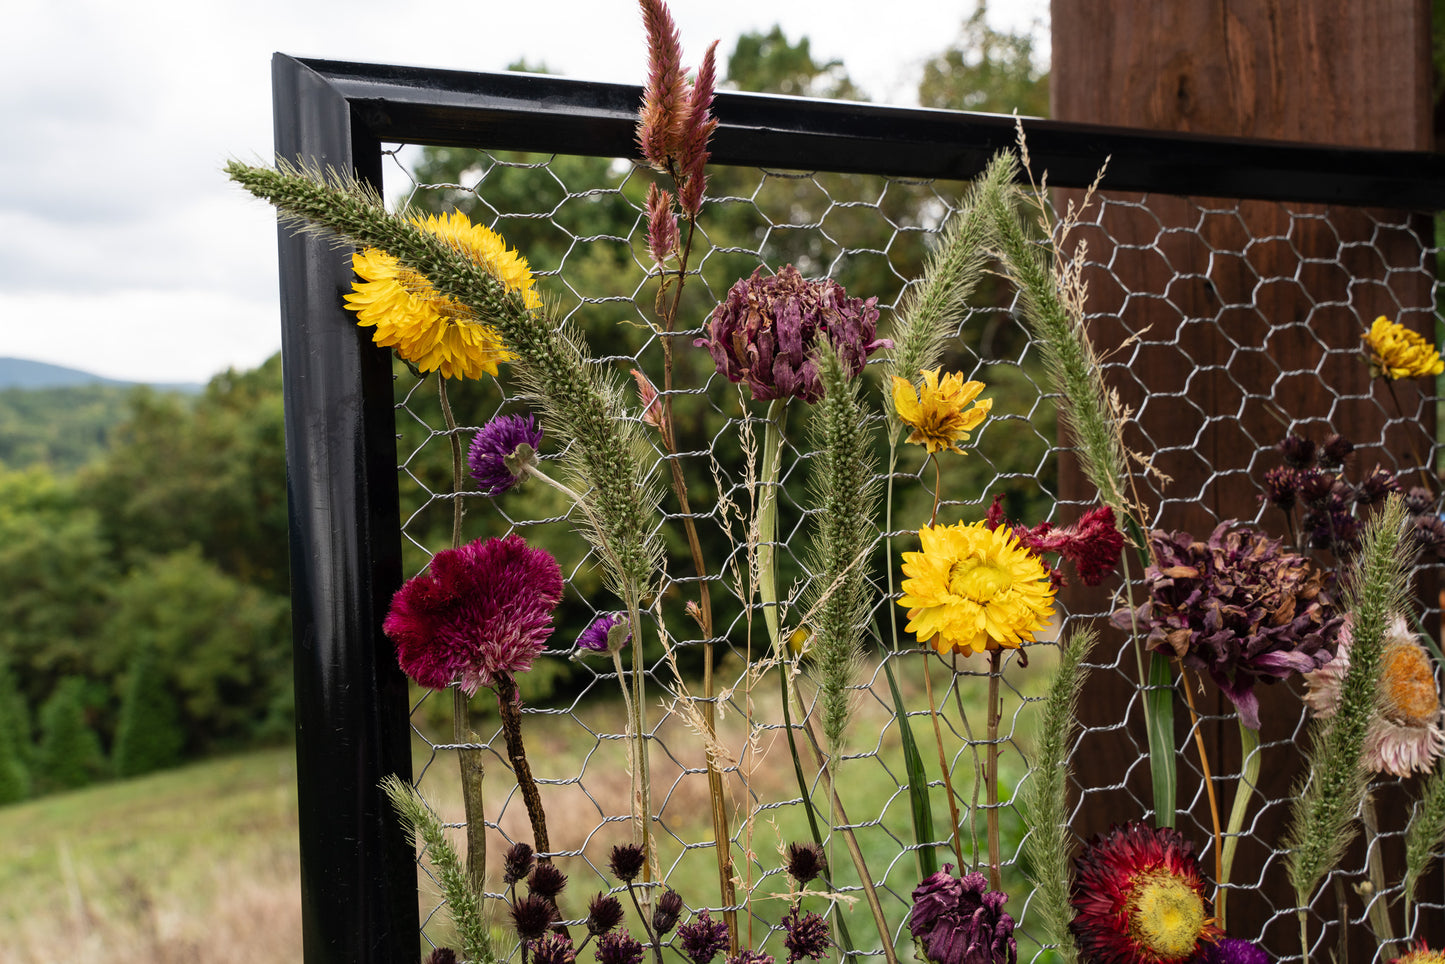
point(766, 331)
point(1092, 544)
point(482, 609)
point(499, 438)
point(1239, 606)
point(961, 921)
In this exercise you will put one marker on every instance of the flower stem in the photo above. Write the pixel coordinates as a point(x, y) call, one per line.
point(1243, 790)
point(767, 523)
point(990, 774)
point(1379, 909)
point(943, 767)
point(509, 705)
point(977, 763)
point(1220, 873)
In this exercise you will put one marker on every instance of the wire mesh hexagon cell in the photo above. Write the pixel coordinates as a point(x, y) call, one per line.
point(1225, 324)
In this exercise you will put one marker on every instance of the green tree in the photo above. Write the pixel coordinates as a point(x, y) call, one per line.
point(148, 736)
point(69, 755)
point(770, 63)
point(990, 70)
point(15, 746)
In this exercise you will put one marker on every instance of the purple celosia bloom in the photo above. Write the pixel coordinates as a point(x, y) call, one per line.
point(594, 637)
point(618, 947)
point(766, 331)
point(807, 935)
point(1239, 606)
point(495, 441)
point(961, 921)
point(1229, 950)
point(702, 938)
point(483, 609)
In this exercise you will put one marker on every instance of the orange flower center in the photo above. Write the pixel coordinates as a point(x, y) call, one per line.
point(1407, 682)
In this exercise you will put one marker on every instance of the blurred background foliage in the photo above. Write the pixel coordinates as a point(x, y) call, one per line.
point(143, 537)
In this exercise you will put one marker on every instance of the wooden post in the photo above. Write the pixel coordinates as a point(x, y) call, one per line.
point(1252, 314)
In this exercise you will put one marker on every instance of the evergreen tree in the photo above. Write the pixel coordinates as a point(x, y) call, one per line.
point(70, 755)
point(149, 735)
point(15, 746)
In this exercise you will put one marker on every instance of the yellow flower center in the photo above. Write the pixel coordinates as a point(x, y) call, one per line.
point(1166, 915)
point(978, 580)
point(1408, 683)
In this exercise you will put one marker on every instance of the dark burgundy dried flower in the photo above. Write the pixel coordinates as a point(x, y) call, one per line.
point(1281, 486)
point(603, 914)
point(766, 331)
point(702, 938)
point(1373, 490)
point(494, 444)
point(442, 955)
point(1336, 449)
point(1332, 526)
point(1230, 950)
point(532, 915)
point(961, 921)
point(746, 956)
point(482, 610)
point(546, 881)
point(1092, 544)
point(1298, 451)
point(1239, 606)
point(554, 948)
point(626, 862)
point(805, 862)
point(1419, 501)
point(807, 935)
point(517, 862)
point(666, 912)
point(1427, 532)
point(1315, 487)
point(618, 947)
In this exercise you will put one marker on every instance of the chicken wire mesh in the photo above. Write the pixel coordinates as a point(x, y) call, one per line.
point(1226, 324)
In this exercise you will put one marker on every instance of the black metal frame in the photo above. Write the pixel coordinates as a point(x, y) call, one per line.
point(358, 875)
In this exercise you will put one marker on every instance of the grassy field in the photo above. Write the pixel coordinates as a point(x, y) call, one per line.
point(199, 864)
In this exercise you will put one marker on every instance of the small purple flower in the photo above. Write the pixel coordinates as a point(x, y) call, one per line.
point(554, 948)
point(807, 935)
point(496, 440)
point(746, 956)
point(1230, 950)
point(595, 637)
point(603, 914)
point(767, 329)
point(618, 947)
point(961, 921)
point(702, 938)
point(482, 610)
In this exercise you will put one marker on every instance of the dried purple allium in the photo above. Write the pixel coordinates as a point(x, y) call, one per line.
point(1336, 449)
point(662, 238)
point(1298, 451)
point(603, 914)
point(807, 935)
point(626, 862)
point(1229, 950)
point(596, 636)
point(483, 609)
point(766, 331)
point(495, 442)
point(546, 881)
point(961, 921)
point(442, 955)
point(702, 938)
point(1315, 487)
point(554, 948)
point(805, 862)
point(666, 912)
point(532, 915)
point(517, 862)
point(1239, 606)
point(1373, 490)
point(618, 947)
point(1281, 486)
point(746, 956)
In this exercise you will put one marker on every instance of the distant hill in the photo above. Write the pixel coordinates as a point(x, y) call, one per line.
point(25, 374)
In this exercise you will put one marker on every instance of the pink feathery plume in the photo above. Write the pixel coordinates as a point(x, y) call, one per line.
point(664, 101)
point(1092, 544)
point(700, 125)
point(661, 224)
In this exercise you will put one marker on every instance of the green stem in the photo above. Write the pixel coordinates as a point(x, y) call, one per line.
point(943, 767)
point(990, 775)
point(1243, 791)
point(768, 517)
point(1379, 908)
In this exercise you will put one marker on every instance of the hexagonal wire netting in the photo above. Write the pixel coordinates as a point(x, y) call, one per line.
point(1226, 324)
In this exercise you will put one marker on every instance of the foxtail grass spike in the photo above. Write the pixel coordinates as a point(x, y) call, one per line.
point(1424, 838)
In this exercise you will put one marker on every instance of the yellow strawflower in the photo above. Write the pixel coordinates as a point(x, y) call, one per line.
point(971, 589)
point(939, 413)
point(1397, 352)
point(425, 327)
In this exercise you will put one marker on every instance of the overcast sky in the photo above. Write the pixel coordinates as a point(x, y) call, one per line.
point(123, 249)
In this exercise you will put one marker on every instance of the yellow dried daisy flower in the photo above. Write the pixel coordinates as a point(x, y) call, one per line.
point(939, 412)
point(1397, 352)
point(432, 331)
point(972, 589)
